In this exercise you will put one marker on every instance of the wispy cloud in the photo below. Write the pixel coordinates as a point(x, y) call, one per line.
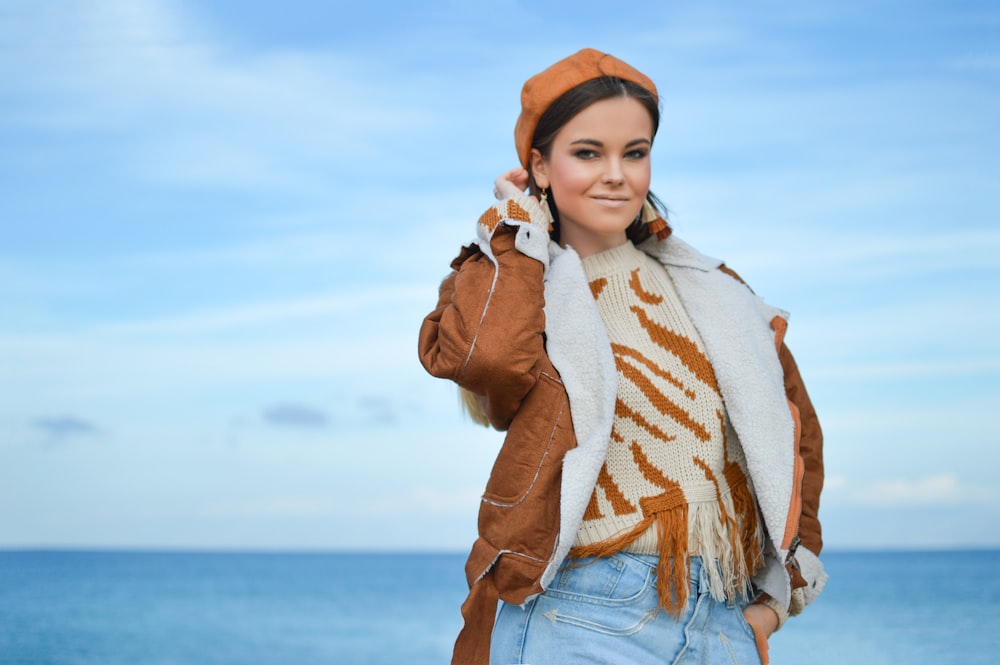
point(64, 427)
point(202, 220)
point(854, 257)
point(296, 415)
point(224, 117)
point(378, 410)
point(428, 499)
point(858, 416)
point(285, 507)
point(359, 330)
point(921, 329)
point(358, 299)
point(937, 489)
point(978, 365)
point(984, 61)
point(365, 412)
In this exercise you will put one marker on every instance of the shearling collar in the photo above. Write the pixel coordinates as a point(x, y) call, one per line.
point(674, 252)
point(671, 251)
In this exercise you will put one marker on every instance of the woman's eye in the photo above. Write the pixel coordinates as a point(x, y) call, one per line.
point(636, 154)
point(585, 154)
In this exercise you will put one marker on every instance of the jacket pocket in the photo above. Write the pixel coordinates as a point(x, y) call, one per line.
point(529, 443)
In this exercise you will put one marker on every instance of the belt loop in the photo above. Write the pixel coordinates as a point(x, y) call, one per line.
point(703, 583)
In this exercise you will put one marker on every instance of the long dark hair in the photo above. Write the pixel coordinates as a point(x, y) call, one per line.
point(566, 107)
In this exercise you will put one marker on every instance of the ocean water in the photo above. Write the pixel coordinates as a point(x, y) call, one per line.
point(109, 608)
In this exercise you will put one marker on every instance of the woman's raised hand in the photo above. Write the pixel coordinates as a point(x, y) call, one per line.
point(514, 206)
point(511, 183)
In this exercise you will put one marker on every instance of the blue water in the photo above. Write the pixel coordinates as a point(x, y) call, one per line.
point(109, 608)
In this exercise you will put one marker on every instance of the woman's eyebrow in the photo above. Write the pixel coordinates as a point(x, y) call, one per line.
point(600, 144)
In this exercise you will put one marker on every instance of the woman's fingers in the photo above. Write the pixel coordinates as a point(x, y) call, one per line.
point(511, 183)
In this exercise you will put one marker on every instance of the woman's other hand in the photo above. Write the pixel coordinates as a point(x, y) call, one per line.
point(761, 617)
point(764, 621)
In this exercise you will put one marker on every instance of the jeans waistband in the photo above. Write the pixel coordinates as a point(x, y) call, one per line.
point(696, 568)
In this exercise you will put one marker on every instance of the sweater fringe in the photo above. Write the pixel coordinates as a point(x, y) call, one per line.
point(669, 512)
point(726, 534)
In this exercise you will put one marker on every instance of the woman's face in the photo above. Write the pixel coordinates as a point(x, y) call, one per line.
point(598, 171)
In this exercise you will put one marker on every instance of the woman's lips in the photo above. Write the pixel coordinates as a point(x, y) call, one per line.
point(611, 201)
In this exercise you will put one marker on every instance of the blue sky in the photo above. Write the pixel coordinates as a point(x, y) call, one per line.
point(221, 224)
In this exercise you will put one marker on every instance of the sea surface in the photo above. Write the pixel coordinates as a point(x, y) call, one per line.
point(110, 608)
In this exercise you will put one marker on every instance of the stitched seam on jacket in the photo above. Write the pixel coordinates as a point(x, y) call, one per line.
point(486, 308)
point(523, 555)
point(511, 553)
point(538, 471)
point(554, 378)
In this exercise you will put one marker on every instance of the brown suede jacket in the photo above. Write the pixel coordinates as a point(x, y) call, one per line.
point(516, 325)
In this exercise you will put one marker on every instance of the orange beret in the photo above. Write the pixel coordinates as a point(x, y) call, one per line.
point(546, 87)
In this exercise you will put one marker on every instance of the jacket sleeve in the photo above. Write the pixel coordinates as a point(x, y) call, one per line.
point(811, 452)
point(808, 576)
point(487, 332)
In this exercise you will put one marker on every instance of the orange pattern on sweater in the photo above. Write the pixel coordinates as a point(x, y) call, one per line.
point(674, 481)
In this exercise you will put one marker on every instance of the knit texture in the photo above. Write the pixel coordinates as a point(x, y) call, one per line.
point(674, 481)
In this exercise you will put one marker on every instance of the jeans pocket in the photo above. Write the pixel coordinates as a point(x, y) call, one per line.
point(614, 595)
point(608, 580)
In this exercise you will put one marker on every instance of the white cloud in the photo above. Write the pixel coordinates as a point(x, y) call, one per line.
point(941, 489)
point(243, 507)
point(854, 417)
point(890, 332)
point(293, 248)
point(223, 117)
point(988, 365)
point(861, 256)
point(295, 415)
point(362, 333)
point(421, 500)
point(363, 302)
point(984, 61)
point(63, 427)
point(54, 368)
point(810, 172)
point(406, 501)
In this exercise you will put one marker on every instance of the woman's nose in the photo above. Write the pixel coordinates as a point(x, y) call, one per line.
point(614, 173)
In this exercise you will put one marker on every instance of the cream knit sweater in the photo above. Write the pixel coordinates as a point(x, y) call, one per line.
point(674, 481)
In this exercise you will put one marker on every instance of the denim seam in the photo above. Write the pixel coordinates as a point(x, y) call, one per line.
point(647, 588)
point(647, 617)
point(687, 630)
point(524, 631)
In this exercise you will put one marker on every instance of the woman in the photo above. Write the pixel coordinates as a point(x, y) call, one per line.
point(656, 496)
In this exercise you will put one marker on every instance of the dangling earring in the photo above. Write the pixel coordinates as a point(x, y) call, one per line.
point(651, 216)
point(543, 203)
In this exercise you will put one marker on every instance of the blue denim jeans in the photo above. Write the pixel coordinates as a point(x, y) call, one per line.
point(606, 610)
